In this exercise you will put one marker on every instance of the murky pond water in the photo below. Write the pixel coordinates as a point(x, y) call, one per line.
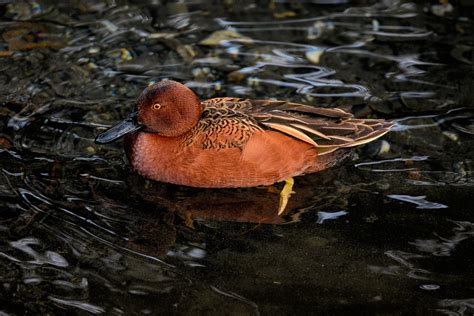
point(388, 231)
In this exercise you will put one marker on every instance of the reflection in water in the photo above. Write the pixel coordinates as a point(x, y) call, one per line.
point(77, 304)
point(79, 233)
point(456, 307)
point(420, 201)
point(49, 257)
point(446, 245)
point(323, 216)
point(252, 205)
point(440, 247)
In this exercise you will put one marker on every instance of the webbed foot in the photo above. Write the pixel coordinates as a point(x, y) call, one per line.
point(285, 195)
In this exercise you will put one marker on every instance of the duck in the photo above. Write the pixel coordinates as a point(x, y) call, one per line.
point(172, 136)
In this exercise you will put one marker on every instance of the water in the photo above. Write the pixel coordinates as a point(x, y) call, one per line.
point(388, 231)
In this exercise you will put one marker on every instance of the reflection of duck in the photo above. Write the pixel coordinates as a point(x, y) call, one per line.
point(231, 142)
point(182, 208)
point(246, 205)
point(235, 205)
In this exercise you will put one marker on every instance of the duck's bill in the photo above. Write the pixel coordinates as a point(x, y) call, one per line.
point(123, 128)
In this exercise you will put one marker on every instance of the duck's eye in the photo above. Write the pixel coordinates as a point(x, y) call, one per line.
point(156, 106)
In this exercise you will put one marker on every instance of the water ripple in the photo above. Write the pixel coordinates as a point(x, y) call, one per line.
point(88, 307)
point(420, 201)
point(48, 257)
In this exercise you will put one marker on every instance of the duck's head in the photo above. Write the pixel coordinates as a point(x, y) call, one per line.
point(167, 108)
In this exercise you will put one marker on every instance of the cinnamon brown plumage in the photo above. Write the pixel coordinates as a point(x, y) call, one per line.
point(231, 142)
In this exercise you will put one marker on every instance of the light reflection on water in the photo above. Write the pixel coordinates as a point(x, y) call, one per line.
point(389, 230)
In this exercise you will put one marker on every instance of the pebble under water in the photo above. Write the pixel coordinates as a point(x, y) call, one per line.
point(388, 231)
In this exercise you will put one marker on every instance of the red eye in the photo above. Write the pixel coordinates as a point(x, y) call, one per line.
point(156, 106)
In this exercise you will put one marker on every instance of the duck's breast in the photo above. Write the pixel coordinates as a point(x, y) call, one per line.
point(267, 157)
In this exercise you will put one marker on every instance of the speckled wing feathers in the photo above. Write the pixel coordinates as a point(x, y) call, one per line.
point(229, 122)
point(224, 123)
point(327, 128)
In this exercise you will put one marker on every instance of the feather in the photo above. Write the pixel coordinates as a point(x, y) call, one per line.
point(292, 132)
point(341, 138)
point(327, 150)
point(311, 130)
point(328, 129)
point(368, 139)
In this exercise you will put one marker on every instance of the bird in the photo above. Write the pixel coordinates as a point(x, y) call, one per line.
point(174, 137)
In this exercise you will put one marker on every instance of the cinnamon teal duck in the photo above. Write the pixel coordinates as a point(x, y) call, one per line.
point(232, 142)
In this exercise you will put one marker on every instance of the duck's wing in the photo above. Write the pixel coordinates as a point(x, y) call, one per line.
point(224, 123)
point(326, 128)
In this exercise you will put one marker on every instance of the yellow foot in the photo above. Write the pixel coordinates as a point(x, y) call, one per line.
point(285, 195)
point(188, 220)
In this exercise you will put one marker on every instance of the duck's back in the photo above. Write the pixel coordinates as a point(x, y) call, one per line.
point(327, 129)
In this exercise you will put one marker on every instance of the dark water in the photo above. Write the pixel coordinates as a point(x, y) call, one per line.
point(389, 231)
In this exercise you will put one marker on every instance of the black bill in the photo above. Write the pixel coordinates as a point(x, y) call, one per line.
point(127, 126)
